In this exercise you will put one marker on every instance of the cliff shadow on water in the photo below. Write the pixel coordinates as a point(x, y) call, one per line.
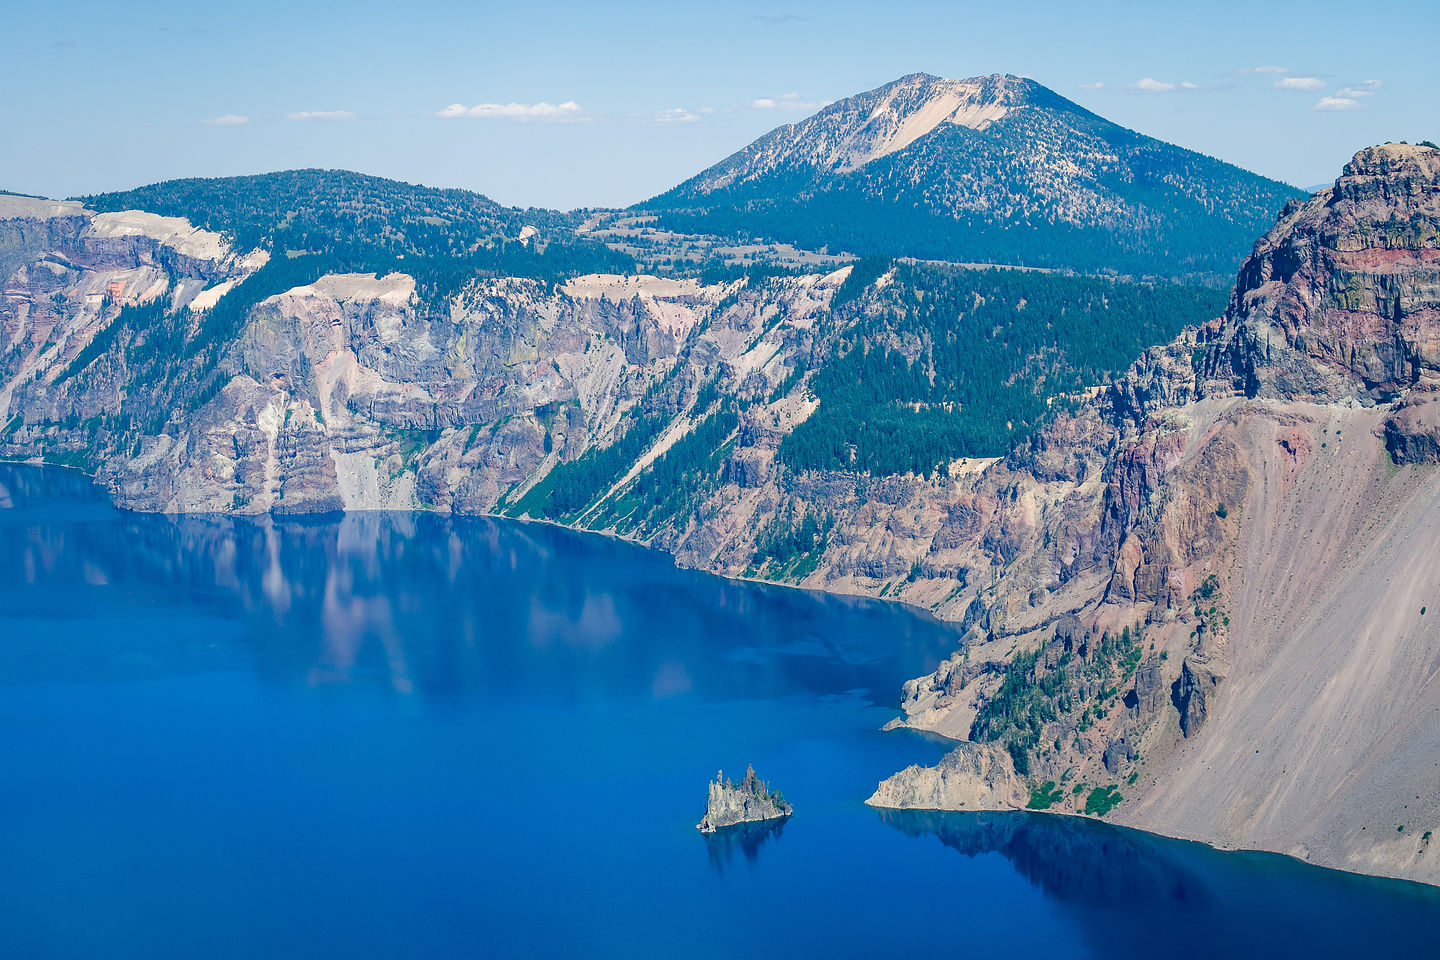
point(1187, 899)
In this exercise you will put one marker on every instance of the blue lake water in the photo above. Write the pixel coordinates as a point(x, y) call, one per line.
point(397, 735)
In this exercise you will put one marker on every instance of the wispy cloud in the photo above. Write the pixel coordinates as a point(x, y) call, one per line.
point(569, 110)
point(321, 115)
point(1299, 83)
point(786, 101)
point(1097, 85)
point(1151, 85)
point(675, 115)
point(1337, 103)
point(1366, 89)
point(1262, 71)
point(228, 120)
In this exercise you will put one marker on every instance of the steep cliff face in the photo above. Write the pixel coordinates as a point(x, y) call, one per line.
point(346, 392)
point(68, 272)
point(1223, 619)
point(1339, 301)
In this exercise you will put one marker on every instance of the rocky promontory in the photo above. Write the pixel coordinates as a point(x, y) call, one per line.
point(749, 801)
point(1210, 621)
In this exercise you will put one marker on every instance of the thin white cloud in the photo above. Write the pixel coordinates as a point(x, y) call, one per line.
point(228, 120)
point(569, 110)
point(675, 115)
point(1151, 85)
point(1263, 71)
point(321, 115)
point(1097, 85)
point(1300, 83)
point(1366, 89)
point(1187, 85)
point(1337, 103)
point(786, 101)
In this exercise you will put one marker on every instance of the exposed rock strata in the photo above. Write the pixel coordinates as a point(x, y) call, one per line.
point(1245, 516)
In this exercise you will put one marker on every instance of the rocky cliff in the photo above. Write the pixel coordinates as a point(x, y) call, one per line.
point(749, 801)
point(1217, 606)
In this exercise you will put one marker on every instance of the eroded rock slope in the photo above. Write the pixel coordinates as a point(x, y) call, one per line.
point(1220, 611)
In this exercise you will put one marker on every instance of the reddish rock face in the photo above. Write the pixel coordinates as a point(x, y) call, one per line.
point(1339, 299)
point(1338, 308)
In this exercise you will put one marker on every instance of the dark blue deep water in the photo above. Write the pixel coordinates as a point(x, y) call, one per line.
point(399, 735)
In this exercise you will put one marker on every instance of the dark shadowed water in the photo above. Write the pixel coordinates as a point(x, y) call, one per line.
point(400, 735)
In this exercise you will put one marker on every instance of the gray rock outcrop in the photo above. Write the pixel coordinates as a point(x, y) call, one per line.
point(973, 776)
point(749, 801)
point(1194, 692)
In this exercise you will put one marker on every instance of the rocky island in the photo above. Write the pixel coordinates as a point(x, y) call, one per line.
point(749, 801)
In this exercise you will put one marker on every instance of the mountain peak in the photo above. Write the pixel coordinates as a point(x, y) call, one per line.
point(848, 134)
point(994, 168)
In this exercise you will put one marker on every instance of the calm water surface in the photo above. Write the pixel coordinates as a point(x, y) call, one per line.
point(397, 735)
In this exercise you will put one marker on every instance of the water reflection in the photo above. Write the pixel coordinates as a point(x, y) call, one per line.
point(743, 839)
point(1185, 899)
point(449, 607)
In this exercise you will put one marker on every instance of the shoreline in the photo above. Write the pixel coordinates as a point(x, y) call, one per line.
point(488, 515)
point(1430, 888)
point(898, 723)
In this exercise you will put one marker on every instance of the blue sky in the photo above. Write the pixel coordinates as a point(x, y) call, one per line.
point(588, 104)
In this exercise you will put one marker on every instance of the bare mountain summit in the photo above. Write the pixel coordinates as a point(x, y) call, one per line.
point(995, 168)
point(847, 135)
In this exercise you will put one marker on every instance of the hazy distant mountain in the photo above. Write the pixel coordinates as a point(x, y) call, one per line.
point(997, 169)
